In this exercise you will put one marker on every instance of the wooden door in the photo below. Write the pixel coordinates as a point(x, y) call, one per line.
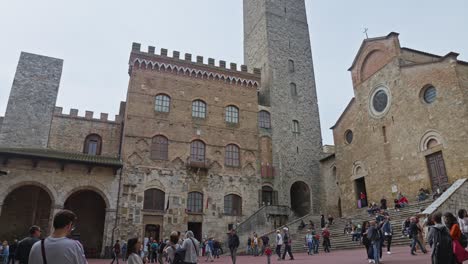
point(437, 172)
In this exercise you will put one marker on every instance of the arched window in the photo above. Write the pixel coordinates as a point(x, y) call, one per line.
point(232, 156)
point(264, 119)
point(291, 66)
point(296, 126)
point(293, 88)
point(198, 109)
point(154, 200)
point(163, 103)
point(233, 205)
point(159, 148)
point(93, 144)
point(232, 114)
point(195, 202)
point(197, 151)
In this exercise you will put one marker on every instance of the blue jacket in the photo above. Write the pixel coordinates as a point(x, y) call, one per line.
point(387, 228)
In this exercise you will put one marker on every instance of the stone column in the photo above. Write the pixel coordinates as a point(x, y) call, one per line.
point(109, 224)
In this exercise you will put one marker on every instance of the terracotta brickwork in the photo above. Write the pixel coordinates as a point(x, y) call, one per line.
point(391, 148)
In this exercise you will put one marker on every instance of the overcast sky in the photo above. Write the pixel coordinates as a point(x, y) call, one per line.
point(94, 38)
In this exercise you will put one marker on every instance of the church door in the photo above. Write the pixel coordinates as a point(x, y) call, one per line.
point(437, 172)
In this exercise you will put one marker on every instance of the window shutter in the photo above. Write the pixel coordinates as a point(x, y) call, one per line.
point(275, 197)
point(260, 198)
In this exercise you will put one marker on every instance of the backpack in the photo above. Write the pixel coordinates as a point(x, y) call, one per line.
point(443, 245)
point(463, 240)
point(179, 256)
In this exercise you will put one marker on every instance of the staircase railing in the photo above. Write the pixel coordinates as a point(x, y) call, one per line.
point(454, 198)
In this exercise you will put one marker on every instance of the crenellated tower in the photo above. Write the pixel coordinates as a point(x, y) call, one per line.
point(276, 39)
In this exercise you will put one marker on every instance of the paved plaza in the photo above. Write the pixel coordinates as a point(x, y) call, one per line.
point(357, 256)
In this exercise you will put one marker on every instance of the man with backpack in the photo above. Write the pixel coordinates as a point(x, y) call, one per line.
point(287, 244)
point(233, 244)
point(374, 237)
point(190, 247)
point(414, 231)
point(440, 241)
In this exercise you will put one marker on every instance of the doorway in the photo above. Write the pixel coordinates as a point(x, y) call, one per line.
point(438, 174)
point(300, 198)
point(360, 185)
point(152, 231)
point(90, 208)
point(196, 228)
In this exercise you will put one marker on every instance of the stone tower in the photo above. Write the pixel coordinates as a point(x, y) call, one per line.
point(31, 103)
point(276, 39)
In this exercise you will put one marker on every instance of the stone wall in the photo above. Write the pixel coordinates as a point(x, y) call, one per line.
point(454, 199)
point(60, 185)
point(275, 33)
point(69, 131)
point(331, 198)
point(31, 102)
point(390, 150)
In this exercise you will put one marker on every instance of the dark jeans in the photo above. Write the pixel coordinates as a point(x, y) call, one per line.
point(316, 245)
point(11, 258)
point(278, 251)
point(287, 248)
point(115, 257)
point(415, 241)
point(154, 257)
point(233, 255)
point(326, 244)
point(389, 242)
point(376, 248)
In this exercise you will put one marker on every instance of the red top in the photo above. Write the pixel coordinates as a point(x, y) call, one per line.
point(268, 251)
point(363, 196)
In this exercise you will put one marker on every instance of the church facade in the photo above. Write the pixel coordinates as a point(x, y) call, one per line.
point(404, 129)
point(198, 145)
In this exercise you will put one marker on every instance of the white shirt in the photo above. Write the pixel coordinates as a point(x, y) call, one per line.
point(134, 259)
point(58, 251)
point(279, 240)
point(463, 225)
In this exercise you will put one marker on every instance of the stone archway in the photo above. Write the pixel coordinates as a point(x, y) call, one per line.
point(23, 207)
point(300, 198)
point(90, 208)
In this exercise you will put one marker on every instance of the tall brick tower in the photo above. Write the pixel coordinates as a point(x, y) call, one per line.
point(31, 103)
point(276, 39)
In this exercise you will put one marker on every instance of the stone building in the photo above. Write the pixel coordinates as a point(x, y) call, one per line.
point(50, 160)
point(195, 146)
point(406, 126)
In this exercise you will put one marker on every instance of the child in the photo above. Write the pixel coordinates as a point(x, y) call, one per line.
point(268, 253)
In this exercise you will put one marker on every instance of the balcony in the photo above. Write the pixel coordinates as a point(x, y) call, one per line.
point(267, 171)
point(198, 164)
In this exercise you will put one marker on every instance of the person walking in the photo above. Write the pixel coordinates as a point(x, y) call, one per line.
point(124, 251)
point(191, 247)
point(279, 244)
point(255, 245)
point(116, 252)
point(57, 248)
point(13, 247)
point(209, 249)
point(265, 242)
point(233, 244)
point(25, 245)
point(134, 247)
point(268, 253)
point(326, 239)
point(374, 237)
point(316, 239)
point(309, 242)
point(249, 246)
point(388, 233)
point(153, 251)
point(440, 241)
point(365, 240)
point(287, 244)
point(414, 231)
point(171, 247)
point(5, 252)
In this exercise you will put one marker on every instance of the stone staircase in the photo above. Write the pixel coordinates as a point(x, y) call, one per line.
point(339, 240)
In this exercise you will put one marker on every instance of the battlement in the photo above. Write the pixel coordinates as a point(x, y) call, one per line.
point(163, 62)
point(89, 115)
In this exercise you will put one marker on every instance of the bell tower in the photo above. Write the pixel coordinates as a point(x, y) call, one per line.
point(276, 39)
